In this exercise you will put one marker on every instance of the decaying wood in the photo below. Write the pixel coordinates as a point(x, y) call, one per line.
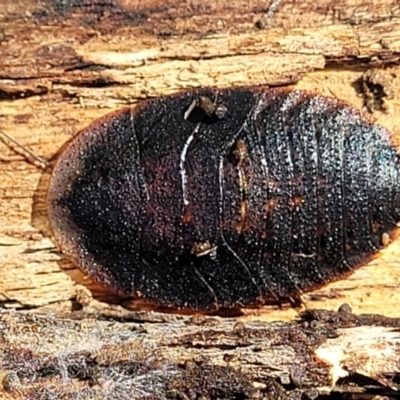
point(47, 357)
point(65, 63)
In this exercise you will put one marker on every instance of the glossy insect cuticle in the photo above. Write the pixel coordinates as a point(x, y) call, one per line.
point(226, 198)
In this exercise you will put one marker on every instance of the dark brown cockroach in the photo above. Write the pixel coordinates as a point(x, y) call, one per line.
point(225, 198)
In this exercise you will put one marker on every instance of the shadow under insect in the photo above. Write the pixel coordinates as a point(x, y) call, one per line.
point(227, 198)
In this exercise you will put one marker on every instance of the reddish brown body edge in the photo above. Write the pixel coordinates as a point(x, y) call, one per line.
point(266, 195)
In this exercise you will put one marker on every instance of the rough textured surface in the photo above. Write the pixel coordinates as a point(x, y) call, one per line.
point(281, 194)
point(66, 63)
point(323, 355)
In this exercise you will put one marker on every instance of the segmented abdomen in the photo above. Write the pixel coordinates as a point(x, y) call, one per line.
point(281, 193)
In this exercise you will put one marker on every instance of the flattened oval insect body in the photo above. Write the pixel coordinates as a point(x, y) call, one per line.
point(278, 194)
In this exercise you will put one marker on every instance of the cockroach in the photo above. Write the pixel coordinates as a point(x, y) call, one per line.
point(226, 198)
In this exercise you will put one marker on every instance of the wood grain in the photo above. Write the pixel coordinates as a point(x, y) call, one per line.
point(322, 356)
point(64, 64)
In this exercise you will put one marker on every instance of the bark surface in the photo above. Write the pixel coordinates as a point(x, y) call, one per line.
point(65, 63)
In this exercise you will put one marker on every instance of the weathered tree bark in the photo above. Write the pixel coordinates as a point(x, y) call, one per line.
point(65, 63)
point(323, 354)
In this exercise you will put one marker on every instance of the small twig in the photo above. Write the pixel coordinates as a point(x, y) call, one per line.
point(25, 149)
